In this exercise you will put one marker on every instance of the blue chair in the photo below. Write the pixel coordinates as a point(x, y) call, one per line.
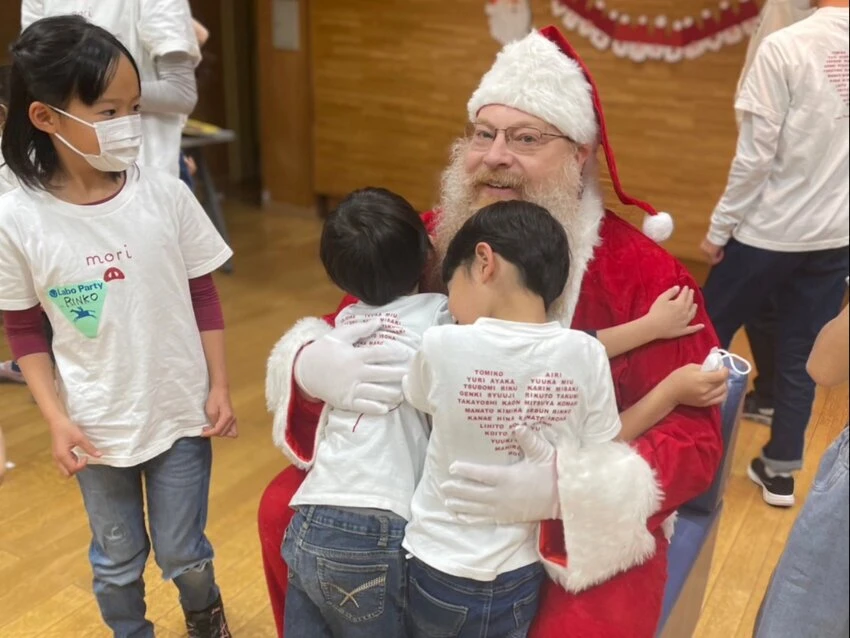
point(692, 547)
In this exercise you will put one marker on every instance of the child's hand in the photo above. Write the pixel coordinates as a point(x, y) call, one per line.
point(670, 315)
point(220, 413)
point(66, 436)
point(689, 385)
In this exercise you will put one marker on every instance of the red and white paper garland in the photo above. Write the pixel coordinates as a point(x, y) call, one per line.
point(644, 38)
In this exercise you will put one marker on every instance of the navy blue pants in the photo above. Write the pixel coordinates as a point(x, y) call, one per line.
point(807, 289)
point(761, 333)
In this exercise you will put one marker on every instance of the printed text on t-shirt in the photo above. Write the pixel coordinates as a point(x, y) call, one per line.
point(390, 330)
point(490, 399)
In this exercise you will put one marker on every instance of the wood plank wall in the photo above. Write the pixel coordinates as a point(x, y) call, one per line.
point(391, 79)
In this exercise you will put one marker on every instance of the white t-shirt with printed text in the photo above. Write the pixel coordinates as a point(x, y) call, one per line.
point(149, 29)
point(113, 279)
point(478, 382)
point(376, 461)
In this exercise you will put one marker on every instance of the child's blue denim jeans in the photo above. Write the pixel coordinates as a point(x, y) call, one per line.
point(177, 486)
point(444, 606)
point(807, 596)
point(347, 573)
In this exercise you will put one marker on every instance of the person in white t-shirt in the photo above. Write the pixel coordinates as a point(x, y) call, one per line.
point(354, 504)
point(161, 37)
point(489, 383)
point(344, 542)
point(761, 328)
point(120, 257)
point(781, 230)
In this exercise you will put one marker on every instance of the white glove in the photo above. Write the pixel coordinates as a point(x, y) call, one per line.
point(365, 380)
point(524, 492)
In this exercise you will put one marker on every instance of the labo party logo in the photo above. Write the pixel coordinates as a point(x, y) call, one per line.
point(79, 289)
point(81, 304)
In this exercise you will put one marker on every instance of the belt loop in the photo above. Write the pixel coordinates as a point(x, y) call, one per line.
point(308, 519)
point(383, 541)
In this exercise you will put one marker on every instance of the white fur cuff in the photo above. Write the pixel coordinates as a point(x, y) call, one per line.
point(279, 379)
point(608, 493)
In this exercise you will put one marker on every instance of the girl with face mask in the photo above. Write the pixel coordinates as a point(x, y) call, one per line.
point(120, 257)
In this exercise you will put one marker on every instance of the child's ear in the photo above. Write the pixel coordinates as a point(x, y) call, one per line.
point(43, 117)
point(485, 261)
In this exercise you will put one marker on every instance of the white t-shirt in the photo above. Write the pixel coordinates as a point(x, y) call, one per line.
point(788, 189)
point(774, 15)
point(478, 381)
point(8, 181)
point(149, 29)
point(376, 461)
point(113, 279)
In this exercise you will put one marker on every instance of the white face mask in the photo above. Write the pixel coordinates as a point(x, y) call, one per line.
point(736, 363)
point(119, 140)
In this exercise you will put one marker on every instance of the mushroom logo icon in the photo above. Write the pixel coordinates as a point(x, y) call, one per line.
point(112, 274)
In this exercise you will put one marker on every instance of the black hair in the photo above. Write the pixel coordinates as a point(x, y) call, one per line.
point(525, 235)
point(374, 246)
point(53, 61)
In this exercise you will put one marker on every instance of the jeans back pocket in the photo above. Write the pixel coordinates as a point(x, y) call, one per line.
point(356, 592)
point(431, 617)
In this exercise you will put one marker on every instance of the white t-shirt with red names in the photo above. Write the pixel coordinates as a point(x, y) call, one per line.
point(375, 461)
point(478, 382)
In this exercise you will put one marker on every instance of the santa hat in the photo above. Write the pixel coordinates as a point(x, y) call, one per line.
point(542, 75)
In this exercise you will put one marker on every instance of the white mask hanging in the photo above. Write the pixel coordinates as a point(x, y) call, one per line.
point(119, 139)
point(737, 363)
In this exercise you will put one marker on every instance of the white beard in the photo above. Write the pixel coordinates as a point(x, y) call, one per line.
point(571, 197)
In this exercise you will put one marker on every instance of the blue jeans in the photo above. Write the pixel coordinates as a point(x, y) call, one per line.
point(807, 289)
point(807, 596)
point(177, 486)
point(347, 573)
point(444, 606)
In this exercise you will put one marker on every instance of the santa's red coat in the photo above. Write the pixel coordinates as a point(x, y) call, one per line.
point(625, 275)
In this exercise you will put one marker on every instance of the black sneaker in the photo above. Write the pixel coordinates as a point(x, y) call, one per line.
point(756, 410)
point(775, 490)
point(209, 623)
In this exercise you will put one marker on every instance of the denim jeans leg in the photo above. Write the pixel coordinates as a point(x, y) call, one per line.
point(807, 596)
point(119, 548)
point(302, 618)
point(178, 484)
point(350, 563)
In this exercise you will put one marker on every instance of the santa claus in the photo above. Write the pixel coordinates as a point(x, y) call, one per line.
point(607, 553)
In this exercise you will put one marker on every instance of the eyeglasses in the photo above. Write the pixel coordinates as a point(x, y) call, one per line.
point(522, 140)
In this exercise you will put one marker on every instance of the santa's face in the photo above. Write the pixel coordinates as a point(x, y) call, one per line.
point(550, 177)
point(500, 172)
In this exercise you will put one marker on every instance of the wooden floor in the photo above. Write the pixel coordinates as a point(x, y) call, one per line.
point(45, 580)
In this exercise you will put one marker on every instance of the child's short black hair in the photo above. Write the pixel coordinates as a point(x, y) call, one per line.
point(374, 246)
point(522, 233)
point(54, 60)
